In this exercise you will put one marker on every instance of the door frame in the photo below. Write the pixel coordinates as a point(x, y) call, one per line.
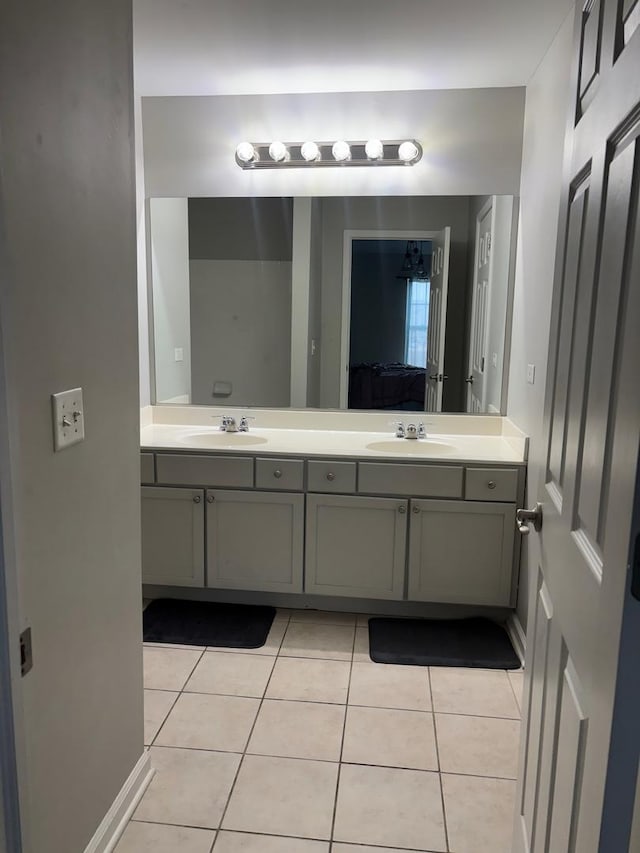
point(486, 207)
point(345, 331)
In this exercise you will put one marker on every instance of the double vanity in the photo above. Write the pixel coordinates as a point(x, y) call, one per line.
point(307, 507)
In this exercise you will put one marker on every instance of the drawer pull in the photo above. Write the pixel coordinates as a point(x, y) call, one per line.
point(416, 509)
point(196, 499)
point(491, 484)
point(331, 476)
point(210, 499)
point(277, 473)
point(402, 509)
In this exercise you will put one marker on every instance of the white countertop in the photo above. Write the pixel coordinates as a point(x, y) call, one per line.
point(282, 441)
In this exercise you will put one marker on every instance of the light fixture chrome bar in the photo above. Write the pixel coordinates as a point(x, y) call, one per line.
point(358, 156)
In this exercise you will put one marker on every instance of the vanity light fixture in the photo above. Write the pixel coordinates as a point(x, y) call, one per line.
point(340, 153)
point(246, 153)
point(278, 151)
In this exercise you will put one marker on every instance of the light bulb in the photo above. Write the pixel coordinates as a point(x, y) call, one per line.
point(246, 153)
point(374, 149)
point(310, 151)
point(341, 151)
point(408, 151)
point(278, 151)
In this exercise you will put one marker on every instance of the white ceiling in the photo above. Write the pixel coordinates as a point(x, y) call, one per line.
point(231, 47)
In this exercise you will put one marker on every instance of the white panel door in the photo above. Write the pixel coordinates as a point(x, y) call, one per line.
point(476, 390)
point(592, 420)
point(436, 329)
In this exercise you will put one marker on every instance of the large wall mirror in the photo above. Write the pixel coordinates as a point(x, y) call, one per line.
point(397, 303)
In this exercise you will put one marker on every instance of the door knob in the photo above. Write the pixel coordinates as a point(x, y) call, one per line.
point(196, 499)
point(524, 517)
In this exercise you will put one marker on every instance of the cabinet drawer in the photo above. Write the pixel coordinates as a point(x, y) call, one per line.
point(441, 481)
point(220, 471)
point(491, 484)
point(332, 476)
point(147, 468)
point(280, 474)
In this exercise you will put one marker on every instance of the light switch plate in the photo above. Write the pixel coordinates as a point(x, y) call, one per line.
point(178, 354)
point(531, 373)
point(68, 418)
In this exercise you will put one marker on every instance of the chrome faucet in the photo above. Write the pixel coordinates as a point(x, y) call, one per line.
point(228, 424)
point(244, 424)
point(411, 431)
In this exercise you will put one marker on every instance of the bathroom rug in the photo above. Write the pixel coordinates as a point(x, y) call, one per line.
point(207, 623)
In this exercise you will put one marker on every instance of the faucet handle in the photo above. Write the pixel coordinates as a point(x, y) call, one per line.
point(400, 429)
point(224, 422)
point(243, 426)
point(422, 433)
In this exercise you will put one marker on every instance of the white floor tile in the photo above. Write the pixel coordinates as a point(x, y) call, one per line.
point(389, 686)
point(162, 838)
point(190, 787)
point(309, 680)
point(242, 842)
point(230, 674)
point(168, 669)
point(298, 730)
point(386, 806)
point(202, 721)
point(283, 796)
point(516, 677)
point(361, 646)
point(481, 692)
point(324, 617)
point(479, 813)
point(313, 640)
point(391, 738)
point(480, 746)
point(157, 704)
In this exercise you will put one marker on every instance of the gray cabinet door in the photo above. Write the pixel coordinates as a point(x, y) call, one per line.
point(356, 546)
point(173, 536)
point(461, 552)
point(255, 540)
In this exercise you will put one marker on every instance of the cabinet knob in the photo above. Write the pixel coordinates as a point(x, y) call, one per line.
point(210, 499)
point(415, 510)
point(402, 509)
point(331, 476)
point(491, 484)
point(196, 499)
point(277, 473)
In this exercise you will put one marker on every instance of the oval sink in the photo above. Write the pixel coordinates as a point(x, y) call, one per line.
point(410, 446)
point(222, 439)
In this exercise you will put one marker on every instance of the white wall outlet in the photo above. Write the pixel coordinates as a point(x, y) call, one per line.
point(68, 418)
point(178, 354)
point(531, 373)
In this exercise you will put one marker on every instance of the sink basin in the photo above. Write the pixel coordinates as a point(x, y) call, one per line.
point(404, 446)
point(226, 440)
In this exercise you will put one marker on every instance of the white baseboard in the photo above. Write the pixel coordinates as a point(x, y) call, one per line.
point(517, 635)
point(114, 822)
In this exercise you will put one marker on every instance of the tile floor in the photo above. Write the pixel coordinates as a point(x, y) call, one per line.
point(306, 746)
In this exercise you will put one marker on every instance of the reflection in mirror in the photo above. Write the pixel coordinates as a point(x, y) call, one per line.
point(361, 302)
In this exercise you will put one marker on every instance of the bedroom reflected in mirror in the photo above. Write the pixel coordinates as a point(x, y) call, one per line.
point(370, 303)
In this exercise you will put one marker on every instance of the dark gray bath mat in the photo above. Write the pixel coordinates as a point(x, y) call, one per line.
point(473, 642)
point(205, 623)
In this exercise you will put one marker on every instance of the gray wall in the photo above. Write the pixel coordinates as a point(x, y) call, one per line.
point(547, 104)
point(426, 213)
point(240, 274)
point(168, 223)
point(68, 314)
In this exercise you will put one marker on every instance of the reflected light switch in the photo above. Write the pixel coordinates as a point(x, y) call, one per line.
point(178, 354)
point(531, 373)
point(67, 410)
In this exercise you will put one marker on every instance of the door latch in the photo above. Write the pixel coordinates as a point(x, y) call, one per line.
point(26, 652)
point(524, 517)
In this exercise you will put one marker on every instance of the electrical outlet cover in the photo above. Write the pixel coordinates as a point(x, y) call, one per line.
point(68, 418)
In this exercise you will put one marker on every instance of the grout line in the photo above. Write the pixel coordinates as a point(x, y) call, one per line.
point(435, 735)
point(344, 731)
point(248, 740)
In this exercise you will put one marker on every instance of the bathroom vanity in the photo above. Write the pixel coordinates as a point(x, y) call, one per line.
point(321, 506)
